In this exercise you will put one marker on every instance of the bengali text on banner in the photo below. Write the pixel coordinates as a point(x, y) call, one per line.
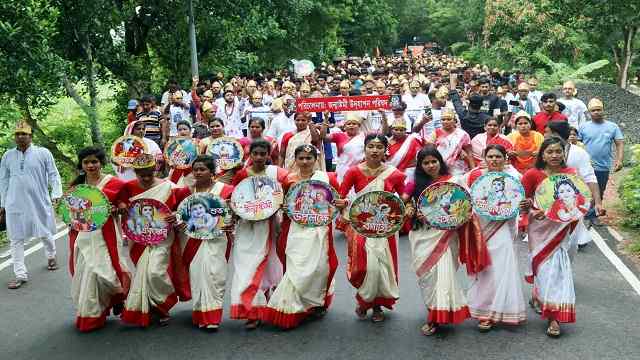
point(344, 103)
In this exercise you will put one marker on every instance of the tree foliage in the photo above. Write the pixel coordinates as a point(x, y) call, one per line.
point(51, 49)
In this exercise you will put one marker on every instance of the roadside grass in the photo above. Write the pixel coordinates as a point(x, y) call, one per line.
point(620, 214)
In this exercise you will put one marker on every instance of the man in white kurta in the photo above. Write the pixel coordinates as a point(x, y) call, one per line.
point(26, 173)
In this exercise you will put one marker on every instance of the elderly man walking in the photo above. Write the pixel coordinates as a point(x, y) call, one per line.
point(26, 173)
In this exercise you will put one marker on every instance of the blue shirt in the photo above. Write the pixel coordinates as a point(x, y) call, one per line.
point(598, 139)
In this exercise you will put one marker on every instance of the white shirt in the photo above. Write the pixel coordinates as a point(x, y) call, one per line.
point(177, 114)
point(186, 98)
point(418, 102)
point(415, 108)
point(579, 159)
point(575, 110)
point(510, 97)
point(231, 117)
point(25, 178)
point(280, 124)
point(535, 96)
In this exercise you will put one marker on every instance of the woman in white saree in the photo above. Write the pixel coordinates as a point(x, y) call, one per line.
point(306, 287)
point(551, 244)
point(434, 252)
point(496, 295)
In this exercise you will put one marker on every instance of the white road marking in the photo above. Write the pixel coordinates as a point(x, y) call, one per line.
point(616, 235)
point(33, 249)
point(7, 253)
point(628, 275)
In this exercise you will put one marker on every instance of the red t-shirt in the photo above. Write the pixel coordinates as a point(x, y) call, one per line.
point(542, 118)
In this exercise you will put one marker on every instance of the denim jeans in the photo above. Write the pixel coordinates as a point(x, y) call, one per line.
point(603, 178)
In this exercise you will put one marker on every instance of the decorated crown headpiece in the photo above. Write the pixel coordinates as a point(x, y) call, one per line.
point(144, 161)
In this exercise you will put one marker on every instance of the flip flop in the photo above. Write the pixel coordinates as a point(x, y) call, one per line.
point(52, 265)
point(251, 324)
point(164, 321)
point(16, 284)
point(378, 316)
point(552, 331)
point(117, 309)
point(361, 313)
point(428, 329)
point(485, 326)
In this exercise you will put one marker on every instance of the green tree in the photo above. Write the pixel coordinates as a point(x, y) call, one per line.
point(29, 67)
point(367, 25)
point(613, 25)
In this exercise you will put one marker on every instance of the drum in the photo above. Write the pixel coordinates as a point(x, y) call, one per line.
point(376, 214)
point(85, 208)
point(126, 148)
point(205, 216)
point(496, 196)
point(145, 223)
point(181, 152)
point(227, 152)
point(257, 198)
point(445, 205)
point(563, 197)
point(310, 203)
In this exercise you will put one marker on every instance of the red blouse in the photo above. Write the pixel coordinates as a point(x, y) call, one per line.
point(244, 173)
point(355, 178)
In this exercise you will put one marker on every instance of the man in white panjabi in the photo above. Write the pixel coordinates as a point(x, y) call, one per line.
point(26, 173)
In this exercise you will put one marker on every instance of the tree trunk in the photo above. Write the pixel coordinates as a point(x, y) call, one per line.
point(45, 140)
point(88, 108)
point(627, 55)
point(94, 125)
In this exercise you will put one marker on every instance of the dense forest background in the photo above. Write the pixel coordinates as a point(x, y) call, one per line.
point(69, 67)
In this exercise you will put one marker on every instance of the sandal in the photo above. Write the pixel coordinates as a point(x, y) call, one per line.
point(164, 320)
point(361, 313)
point(117, 309)
point(16, 284)
point(535, 305)
point(553, 331)
point(429, 329)
point(251, 324)
point(485, 325)
point(52, 265)
point(378, 316)
point(319, 312)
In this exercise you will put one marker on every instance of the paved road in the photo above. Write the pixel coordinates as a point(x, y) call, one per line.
point(37, 323)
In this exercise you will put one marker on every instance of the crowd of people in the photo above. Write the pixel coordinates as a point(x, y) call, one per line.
point(454, 123)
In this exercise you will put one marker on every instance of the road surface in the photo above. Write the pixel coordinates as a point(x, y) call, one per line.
point(37, 323)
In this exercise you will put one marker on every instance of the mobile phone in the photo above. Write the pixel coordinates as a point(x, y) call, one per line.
point(514, 103)
point(428, 112)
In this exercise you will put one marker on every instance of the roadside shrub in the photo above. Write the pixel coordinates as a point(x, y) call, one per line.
point(630, 192)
